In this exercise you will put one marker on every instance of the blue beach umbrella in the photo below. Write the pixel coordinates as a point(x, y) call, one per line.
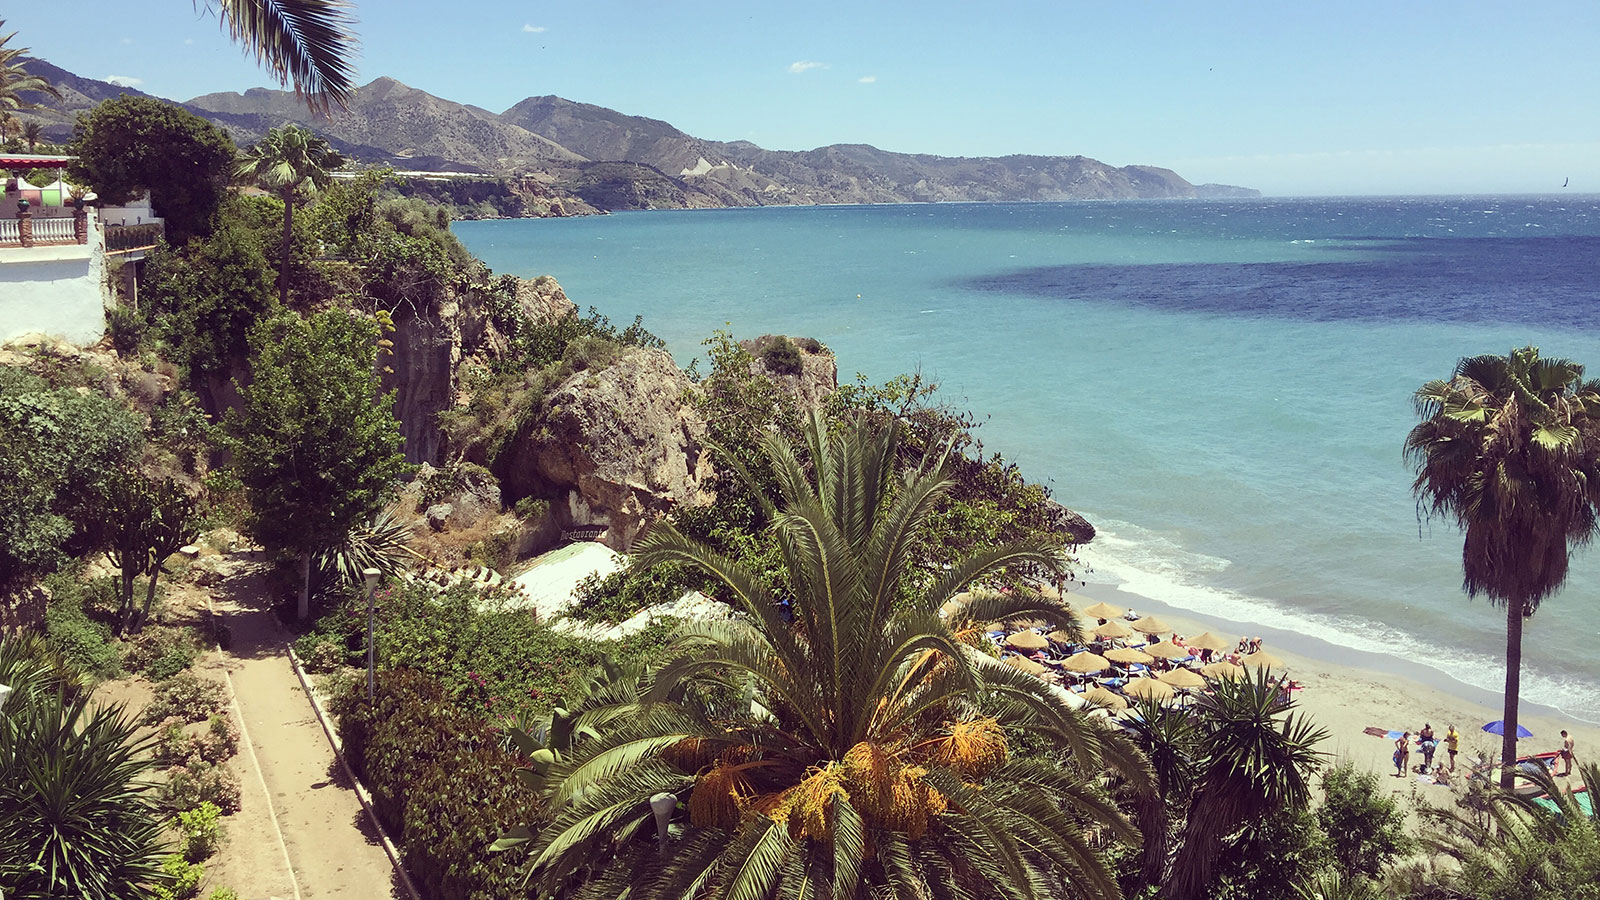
point(1499, 727)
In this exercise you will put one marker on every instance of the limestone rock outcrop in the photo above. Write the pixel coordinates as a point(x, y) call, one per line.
point(810, 377)
point(614, 448)
point(1066, 521)
point(429, 349)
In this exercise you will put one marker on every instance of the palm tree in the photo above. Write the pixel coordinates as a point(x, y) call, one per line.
point(1249, 763)
point(292, 163)
point(838, 739)
point(1509, 448)
point(1522, 848)
point(7, 123)
point(14, 79)
point(31, 132)
point(308, 43)
point(1169, 737)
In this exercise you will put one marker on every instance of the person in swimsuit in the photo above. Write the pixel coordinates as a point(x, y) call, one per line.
point(1402, 755)
point(1452, 743)
point(1426, 742)
point(1566, 754)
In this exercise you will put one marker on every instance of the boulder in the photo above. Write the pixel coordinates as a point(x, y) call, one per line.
point(1065, 521)
point(616, 447)
point(438, 514)
point(543, 299)
point(813, 378)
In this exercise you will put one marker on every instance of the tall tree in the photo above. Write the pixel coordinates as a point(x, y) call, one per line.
point(294, 164)
point(856, 746)
point(14, 79)
point(314, 440)
point(1509, 448)
point(1254, 757)
point(134, 144)
point(307, 43)
point(31, 132)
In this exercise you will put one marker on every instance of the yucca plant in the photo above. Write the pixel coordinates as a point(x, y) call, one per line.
point(381, 544)
point(74, 819)
point(855, 745)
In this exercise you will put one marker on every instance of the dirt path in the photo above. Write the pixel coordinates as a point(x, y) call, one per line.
point(330, 842)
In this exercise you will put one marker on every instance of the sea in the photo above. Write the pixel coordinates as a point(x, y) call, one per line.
point(1222, 387)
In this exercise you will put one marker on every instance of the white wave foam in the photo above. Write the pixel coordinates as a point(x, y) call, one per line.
point(1152, 565)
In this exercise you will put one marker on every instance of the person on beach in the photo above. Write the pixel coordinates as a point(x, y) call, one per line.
point(1402, 755)
point(1426, 742)
point(1452, 743)
point(1566, 754)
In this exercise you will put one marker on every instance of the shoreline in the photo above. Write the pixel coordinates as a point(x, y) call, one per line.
point(1347, 690)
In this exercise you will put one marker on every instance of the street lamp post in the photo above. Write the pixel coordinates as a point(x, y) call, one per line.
point(662, 805)
point(371, 577)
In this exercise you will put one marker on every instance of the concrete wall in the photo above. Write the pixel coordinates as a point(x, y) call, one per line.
point(59, 291)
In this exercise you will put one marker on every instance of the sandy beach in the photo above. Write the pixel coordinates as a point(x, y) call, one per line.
point(1349, 690)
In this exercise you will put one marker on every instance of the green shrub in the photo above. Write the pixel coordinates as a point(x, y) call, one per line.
point(160, 652)
point(177, 746)
point(186, 696)
point(202, 831)
point(182, 878)
point(1365, 827)
point(197, 782)
point(83, 641)
point(532, 509)
point(127, 327)
point(782, 356)
point(440, 782)
point(618, 596)
point(223, 893)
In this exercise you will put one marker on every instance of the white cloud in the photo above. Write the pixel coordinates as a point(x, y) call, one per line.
point(124, 80)
point(127, 41)
point(534, 29)
point(805, 65)
point(867, 79)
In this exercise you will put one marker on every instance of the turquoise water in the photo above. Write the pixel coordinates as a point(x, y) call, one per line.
point(1223, 388)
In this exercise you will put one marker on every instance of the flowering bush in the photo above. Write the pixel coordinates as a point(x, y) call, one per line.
point(186, 696)
point(188, 786)
point(160, 652)
point(176, 746)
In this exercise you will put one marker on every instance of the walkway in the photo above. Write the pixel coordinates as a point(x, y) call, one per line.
point(331, 846)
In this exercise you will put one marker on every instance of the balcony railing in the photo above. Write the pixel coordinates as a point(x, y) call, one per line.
point(9, 232)
point(54, 231)
point(45, 230)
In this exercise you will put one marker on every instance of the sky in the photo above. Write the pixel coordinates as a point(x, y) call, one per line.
point(1295, 99)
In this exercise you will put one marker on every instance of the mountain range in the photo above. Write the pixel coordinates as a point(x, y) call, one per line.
point(613, 160)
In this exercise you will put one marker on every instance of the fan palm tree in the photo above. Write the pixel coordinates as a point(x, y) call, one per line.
point(31, 132)
point(292, 163)
point(849, 745)
point(1254, 757)
point(14, 79)
point(307, 43)
point(1509, 448)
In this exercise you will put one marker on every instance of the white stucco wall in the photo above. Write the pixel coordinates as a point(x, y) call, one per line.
point(59, 291)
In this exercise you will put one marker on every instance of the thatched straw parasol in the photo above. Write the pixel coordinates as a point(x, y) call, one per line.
point(1027, 640)
point(1111, 630)
point(1026, 665)
point(1263, 659)
point(1182, 678)
point(1060, 637)
point(1104, 611)
point(1167, 650)
point(1128, 655)
point(1209, 641)
point(1147, 688)
point(1099, 696)
point(1086, 663)
point(1151, 625)
point(1222, 669)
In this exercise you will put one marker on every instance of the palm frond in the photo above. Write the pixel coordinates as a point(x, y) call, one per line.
point(307, 43)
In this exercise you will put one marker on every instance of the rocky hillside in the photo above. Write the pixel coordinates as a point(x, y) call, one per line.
point(617, 161)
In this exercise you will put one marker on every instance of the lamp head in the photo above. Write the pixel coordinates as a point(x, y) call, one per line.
point(371, 576)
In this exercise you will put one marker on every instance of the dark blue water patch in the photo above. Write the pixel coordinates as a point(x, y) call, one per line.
point(1549, 282)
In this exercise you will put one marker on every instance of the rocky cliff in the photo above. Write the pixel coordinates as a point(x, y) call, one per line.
point(614, 448)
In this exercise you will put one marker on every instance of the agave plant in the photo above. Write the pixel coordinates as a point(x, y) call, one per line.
point(840, 739)
point(74, 819)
